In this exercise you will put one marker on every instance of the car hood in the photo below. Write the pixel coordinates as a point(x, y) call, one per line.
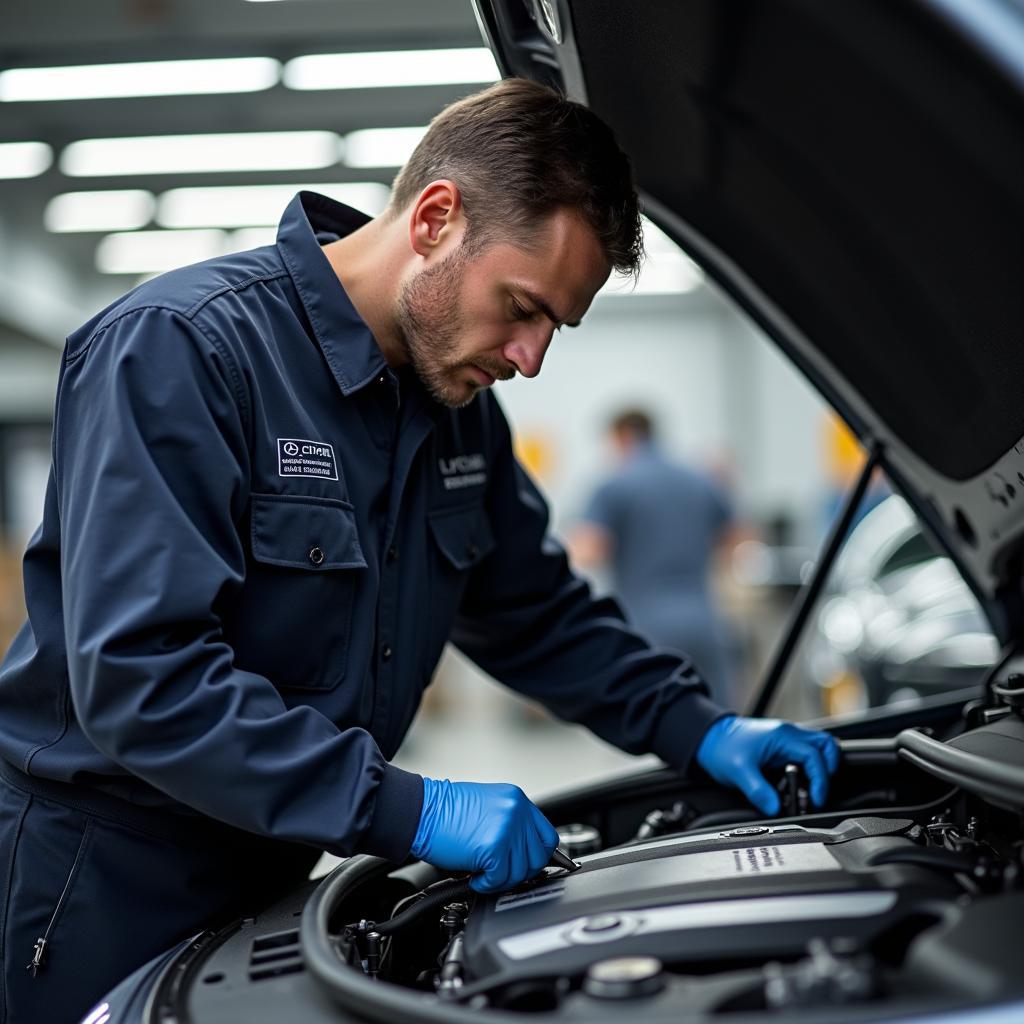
point(853, 175)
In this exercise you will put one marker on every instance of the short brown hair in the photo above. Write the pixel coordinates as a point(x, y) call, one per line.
point(518, 151)
point(635, 422)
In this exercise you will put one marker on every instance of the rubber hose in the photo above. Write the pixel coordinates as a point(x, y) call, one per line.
point(440, 893)
point(928, 857)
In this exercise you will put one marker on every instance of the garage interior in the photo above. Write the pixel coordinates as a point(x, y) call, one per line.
point(77, 235)
point(140, 136)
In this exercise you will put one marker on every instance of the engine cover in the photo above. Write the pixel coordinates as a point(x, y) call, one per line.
point(753, 893)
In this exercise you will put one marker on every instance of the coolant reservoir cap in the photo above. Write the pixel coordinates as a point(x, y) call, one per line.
point(624, 977)
point(602, 923)
point(577, 840)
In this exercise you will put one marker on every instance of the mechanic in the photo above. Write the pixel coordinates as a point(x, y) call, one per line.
point(657, 524)
point(279, 486)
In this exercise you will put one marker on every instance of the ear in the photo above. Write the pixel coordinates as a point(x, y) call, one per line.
point(436, 221)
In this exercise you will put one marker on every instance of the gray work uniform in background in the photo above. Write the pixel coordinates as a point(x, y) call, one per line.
point(665, 521)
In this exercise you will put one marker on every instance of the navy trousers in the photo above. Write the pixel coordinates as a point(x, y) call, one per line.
point(89, 894)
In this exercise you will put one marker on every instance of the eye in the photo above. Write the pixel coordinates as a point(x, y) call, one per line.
point(519, 313)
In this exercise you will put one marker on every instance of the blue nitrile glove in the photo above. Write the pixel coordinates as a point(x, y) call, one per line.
point(488, 828)
point(735, 749)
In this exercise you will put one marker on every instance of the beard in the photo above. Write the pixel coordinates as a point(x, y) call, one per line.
point(429, 319)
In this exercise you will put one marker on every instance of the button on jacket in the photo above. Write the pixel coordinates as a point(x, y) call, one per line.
point(256, 540)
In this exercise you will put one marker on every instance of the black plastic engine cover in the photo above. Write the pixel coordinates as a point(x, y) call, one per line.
point(752, 892)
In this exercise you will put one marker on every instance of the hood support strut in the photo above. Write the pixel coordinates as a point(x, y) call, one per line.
point(808, 596)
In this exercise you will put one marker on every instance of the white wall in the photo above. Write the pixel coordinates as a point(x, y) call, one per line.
point(778, 435)
point(28, 382)
point(657, 354)
point(721, 393)
point(28, 469)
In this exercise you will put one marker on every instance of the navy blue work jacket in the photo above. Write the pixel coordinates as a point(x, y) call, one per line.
point(256, 540)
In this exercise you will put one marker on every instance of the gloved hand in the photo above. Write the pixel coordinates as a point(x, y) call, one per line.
point(490, 829)
point(734, 750)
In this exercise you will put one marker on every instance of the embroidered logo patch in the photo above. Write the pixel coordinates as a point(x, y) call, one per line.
point(463, 471)
point(298, 456)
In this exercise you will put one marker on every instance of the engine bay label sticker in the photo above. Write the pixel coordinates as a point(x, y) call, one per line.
point(757, 860)
point(298, 456)
point(531, 896)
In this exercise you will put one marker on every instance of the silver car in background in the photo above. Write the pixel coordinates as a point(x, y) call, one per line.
point(897, 622)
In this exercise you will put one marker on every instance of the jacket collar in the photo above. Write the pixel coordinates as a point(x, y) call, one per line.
point(309, 221)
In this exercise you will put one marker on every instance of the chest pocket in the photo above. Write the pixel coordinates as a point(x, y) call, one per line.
point(462, 539)
point(463, 535)
point(294, 622)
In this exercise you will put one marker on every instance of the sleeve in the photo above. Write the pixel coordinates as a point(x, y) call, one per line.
point(531, 623)
point(152, 470)
point(603, 508)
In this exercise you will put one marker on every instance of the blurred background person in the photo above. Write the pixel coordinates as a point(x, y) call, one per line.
point(657, 525)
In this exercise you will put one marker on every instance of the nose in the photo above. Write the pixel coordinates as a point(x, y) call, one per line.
point(527, 349)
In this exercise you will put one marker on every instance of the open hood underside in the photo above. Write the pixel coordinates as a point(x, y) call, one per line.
point(853, 174)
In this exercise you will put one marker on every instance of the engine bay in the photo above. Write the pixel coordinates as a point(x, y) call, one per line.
point(745, 893)
point(812, 913)
point(904, 895)
point(766, 917)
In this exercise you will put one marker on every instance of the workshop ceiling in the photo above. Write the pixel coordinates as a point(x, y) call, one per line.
point(53, 33)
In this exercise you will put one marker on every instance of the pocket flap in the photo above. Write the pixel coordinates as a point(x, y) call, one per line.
point(305, 533)
point(463, 535)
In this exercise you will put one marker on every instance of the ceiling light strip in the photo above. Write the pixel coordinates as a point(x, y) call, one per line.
point(243, 206)
point(185, 154)
point(144, 78)
point(148, 252)
point(114, 210)
point(24, 159)
point(381, 147)
point(391, 68)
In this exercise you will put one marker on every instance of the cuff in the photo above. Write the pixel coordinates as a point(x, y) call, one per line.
point(396, 814)
point(681, 728)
